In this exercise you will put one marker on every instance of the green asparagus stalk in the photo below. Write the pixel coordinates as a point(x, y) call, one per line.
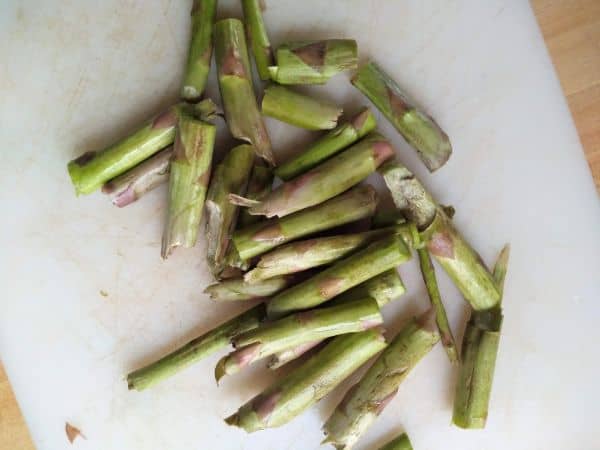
point(259, 186)
point(195, 350)
point(358, 203)
point(130, 186)
point(302, 255)
point(461, 263)
point(313, 62)
point(479, 351)
point(387, 218)
point(401, 442)
point(200, 51)
point(325, 181)
point(258, 37)
point(377, 258)
point(306, 385)
point(383, 289)
point(235, 82)
point(230, 177)
point(444, 243)
point(236, 289)
point(368, 398)
point(330, 144)
point(188, 182)
point(92, 169)
point(419, 129)
point(298, 109)
point(299, 329)
point(441, 319)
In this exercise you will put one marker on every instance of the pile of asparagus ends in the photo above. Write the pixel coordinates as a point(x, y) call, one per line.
point(314, 257)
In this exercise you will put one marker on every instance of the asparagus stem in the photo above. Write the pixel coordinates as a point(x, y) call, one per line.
point(313, 62)
point(367, 399)
point(377, 258)
point(358, 203)
point(259, 186)
point(195, 350)
point(298, 109)
point(200, 51)
point(188, 182)
point(479, 352)
point(428, 272)
point(258, 37)
point(448, 247)
point(302, 255)
point(328, 145)
point(299, 329)
point(92, 169)
point(382, 288)
point(419, 129)
point(130, 186)
point(401, 442)
point(236, 289)
point(235, 82)
point(230, 177)
point(387, 218)
point(461, 263)
point(325, 181)
point(306, 385)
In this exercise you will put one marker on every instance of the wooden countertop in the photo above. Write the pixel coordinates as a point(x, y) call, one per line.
point(571, 29)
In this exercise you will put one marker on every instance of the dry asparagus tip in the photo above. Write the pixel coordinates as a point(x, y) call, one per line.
point(188, 182)
point(298, 109)
point(313, 62)
point(258, 37)
point(200, 51)
point(419, 130)
point(130, 186)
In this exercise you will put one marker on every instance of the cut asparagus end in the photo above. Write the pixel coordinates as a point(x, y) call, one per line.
point(230, 178)
point(258, 37)
point(313, 62)
point(200, 50)
point(235, 82)
point(298, 109)
point(188, 182)
point(420, 130)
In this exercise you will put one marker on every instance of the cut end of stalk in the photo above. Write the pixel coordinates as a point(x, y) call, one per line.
point(238, 200)
point(190, 94)
point(233, 420)
point(220, 369)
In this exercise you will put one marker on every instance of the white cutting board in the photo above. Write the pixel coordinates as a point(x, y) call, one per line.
point(76, 75)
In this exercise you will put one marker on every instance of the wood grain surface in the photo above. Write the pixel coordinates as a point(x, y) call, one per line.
point(571, 29)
